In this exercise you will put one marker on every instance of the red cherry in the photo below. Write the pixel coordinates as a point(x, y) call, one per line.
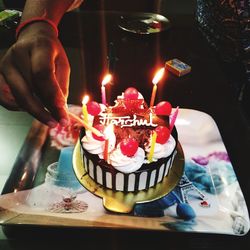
point(101, 128)
point(131, 100)
point(163, 134)
point(163, 108)
point(129, 146)
point(155, 25)
point(204, 203)
point(131, 94)
point(93, 108)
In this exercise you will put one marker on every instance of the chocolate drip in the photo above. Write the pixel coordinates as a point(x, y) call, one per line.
point(109, 169)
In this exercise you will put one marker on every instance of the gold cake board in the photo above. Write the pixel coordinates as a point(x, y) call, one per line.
point(120, 202)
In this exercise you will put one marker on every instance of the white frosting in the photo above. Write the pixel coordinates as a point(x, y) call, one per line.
point(103, 107)
point(90, 119)
point(94, 146)
point(162, 150)
point(124, 163)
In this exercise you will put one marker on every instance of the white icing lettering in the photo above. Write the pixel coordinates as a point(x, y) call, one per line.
point(126, 121)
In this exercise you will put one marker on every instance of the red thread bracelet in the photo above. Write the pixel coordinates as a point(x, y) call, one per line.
point(33, 20)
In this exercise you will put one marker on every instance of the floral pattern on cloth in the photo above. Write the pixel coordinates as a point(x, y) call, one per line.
point(206, 172)
point(213, 176)
point(66, 136)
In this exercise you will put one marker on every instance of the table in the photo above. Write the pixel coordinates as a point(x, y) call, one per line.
point(86, 37)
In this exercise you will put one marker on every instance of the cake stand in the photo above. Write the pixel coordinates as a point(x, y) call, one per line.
point(120, 202)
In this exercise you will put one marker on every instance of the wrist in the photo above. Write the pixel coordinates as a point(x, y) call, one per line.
point(39, 23)
point(53, 10)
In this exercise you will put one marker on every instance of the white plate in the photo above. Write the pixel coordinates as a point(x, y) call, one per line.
point(203, 149)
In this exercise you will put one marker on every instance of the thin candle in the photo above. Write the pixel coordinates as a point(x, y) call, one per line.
point(106, 150)
point(159, 74)
point(173, 119)
point(84, 124)
point(84, 108)
point(107, 134)
point(103, 89)
point(153, 95)
point(105, 81)
point(152, 147)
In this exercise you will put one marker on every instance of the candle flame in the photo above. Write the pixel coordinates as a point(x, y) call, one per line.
point(85, 99)
point(107, 78)
point(159, 74)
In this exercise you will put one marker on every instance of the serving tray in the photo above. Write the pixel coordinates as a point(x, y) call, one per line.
point(207, 199)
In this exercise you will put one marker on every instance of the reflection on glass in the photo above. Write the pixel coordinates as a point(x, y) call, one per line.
point(143, 23)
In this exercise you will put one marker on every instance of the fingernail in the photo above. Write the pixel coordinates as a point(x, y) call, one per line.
point(64, 122)
point(52, 124)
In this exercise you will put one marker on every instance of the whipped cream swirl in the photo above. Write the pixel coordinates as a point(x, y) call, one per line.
point(162, 150)
point(94, 146)
point(124, 163)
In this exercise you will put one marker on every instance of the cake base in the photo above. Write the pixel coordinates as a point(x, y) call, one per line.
point(124, 202)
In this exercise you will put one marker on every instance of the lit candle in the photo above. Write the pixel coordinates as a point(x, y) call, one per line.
point(156, 79)
point(84, 108)
point(152, 147)
point(85, 124)
point(107, 133)
point(105, 81)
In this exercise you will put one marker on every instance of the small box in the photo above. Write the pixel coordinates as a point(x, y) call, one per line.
point(8, 16)
point(177, 67)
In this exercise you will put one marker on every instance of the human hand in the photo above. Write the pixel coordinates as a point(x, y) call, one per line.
point(34, 75)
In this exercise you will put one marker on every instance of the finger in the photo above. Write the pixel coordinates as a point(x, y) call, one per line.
point(23, 63)
point(62, 71)
point(24, 97)
point(46, 85)
point(6, 98)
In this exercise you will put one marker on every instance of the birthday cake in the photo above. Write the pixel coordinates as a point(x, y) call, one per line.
point(138, 143)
